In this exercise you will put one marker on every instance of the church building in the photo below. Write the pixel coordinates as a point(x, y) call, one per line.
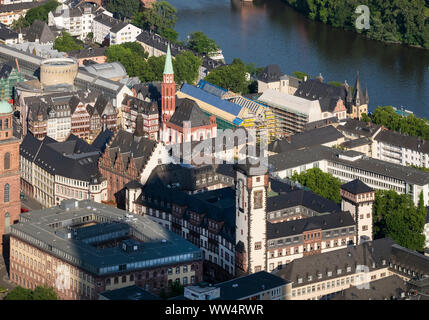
point(10, 203)
point(182, 120)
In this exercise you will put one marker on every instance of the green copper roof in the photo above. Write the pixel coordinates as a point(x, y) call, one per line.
point(5, 107)
point(168, 68)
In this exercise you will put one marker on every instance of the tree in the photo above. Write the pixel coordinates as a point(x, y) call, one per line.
point(300, 75)
point(176, 289)
point(19, 24)
point(186, 67)
point(19, 293)
point(160, 17)
point(90, 37)
point(170, 34)
point(39, 293)
point(231, 77)
point(40, 12)
point(130, 56)
point(66, 43)
point(320, 183)
point(44, 293)
point(200, 43)
point(123, 8)
point(410, 124)
point(400, 21)
point(136, 48)
point(396, 216)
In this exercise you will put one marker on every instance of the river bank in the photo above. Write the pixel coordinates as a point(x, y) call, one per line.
point(390, 22)
point(269, 32)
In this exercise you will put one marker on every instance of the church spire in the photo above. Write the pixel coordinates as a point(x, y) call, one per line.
point(168, 67)
point(168, 89)
point(357, 95)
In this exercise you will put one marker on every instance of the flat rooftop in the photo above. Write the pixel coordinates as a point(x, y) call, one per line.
point(53, 230)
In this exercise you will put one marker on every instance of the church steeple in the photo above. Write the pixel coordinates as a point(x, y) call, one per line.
point(168, 67)
point(168, 89)
point(358, 94)
point(366, 96)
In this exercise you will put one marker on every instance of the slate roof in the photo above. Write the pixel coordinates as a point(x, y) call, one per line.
point(217, 205)
point(129, 293)
point(188, 110)
point(249, 285)
point(156, 41)
point(351, 144)
point(306, 139)
point(102, 140)
point(114, 24)
point(271, 73)
point(298, 197)
point(359, 128)
point(297, 227)
point(42, 105)
point(73, 158)
point(39, 30)
point(151, 90)
point(403, 141)
point(128, 145)
point(409, 259)
point(140, 106)
point(312, 154)
point(327, 94)
point(6, 33)
point(320, 123)
point(88, 53)
point(356, 187)
point(364, 254)
point(182, 177)
point(389, 288)
point(20, 6)
point(101, 104)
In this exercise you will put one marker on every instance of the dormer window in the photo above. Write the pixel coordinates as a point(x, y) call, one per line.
point(339, 271)
point(299, 280)
point(310, 278)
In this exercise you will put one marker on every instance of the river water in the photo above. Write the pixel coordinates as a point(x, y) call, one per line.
point(269, 32)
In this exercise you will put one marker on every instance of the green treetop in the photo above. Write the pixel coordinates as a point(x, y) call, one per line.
point(66, 43)
point(396, 216)
point(200, 43)
point(39, 293)
point(323, 184)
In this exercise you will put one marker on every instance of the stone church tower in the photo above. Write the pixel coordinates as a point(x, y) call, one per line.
point(168, 92)
point(251, 217)
point(358, 198)
point(10, 203)
point(357, 102)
